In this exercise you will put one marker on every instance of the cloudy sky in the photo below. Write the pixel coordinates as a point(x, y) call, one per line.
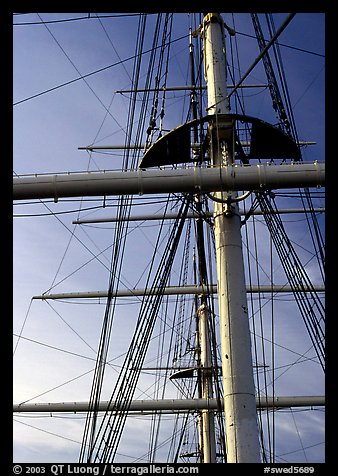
point(66, 74)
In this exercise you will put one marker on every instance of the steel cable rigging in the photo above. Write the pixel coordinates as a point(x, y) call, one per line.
point(109, 433)
point(287, 123)
point(115, 270)
point(177, 337)
point(125, 204)
point(309, 303)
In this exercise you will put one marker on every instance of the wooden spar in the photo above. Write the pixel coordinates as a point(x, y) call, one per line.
point(231, 178)
point(172, 216)
point(171, 405)
point(176, 290)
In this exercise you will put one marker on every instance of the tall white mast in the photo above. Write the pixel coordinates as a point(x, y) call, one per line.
point(242, 440)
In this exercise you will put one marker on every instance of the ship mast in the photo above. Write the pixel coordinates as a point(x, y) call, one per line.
point(207, 440)
point(241, 427)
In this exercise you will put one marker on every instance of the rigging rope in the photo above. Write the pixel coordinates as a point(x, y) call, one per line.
point(309, 303)
point(115, 270)
point(109, 433)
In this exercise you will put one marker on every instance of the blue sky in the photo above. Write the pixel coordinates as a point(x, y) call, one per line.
point(50, 252)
